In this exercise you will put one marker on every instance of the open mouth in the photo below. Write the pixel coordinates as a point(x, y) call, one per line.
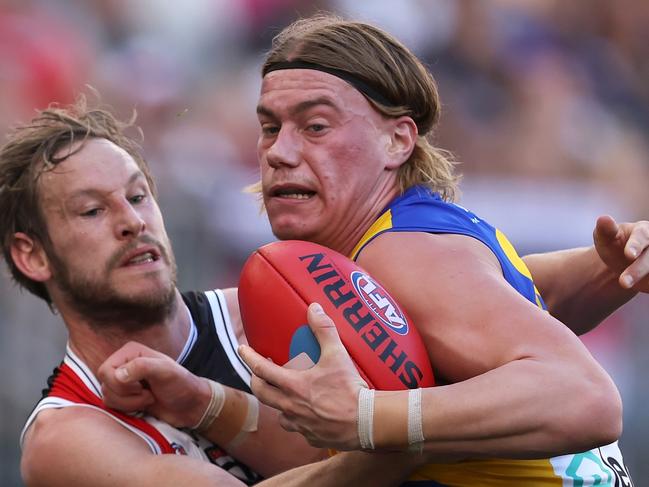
point(144, 258)
point(141, 257)
point(292, 193)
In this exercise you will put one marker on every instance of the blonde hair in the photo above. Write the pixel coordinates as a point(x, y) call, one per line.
point(389, 68)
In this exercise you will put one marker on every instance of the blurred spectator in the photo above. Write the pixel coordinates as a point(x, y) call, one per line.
point(546, 104)
point(43, 60)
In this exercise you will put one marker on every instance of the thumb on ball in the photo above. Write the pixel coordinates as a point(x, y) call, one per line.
point(323, 327)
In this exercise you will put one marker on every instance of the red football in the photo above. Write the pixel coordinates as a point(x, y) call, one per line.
point(281, 279)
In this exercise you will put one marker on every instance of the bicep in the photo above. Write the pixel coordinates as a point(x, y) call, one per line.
point(84, 447)
point(470, 318)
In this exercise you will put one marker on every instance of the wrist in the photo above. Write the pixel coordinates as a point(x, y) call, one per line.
point(390, 420)
point(229, 415)
point(202, 397)
point(212, 401)
point(365, 418)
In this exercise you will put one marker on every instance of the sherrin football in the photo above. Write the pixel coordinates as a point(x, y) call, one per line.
point(281, 279)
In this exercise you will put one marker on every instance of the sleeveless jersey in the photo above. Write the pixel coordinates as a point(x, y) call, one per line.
point(210, 351)
point(421, 210)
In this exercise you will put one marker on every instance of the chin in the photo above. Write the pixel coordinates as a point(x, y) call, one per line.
point(290, 233)
point(145, 292)
point(289, 227)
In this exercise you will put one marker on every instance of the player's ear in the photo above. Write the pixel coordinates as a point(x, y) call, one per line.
point(402, 141)
point(30, 257)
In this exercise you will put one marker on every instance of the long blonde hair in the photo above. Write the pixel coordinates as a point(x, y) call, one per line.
point(391, 69)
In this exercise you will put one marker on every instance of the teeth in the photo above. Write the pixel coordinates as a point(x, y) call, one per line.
point(143, 258)
point(295, 196)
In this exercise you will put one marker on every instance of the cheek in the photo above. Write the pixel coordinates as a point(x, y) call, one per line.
point(260, 148)
point(264, 168)
point(81, 248)
point(344, 166)
point(265, 178)
point(156, 219)
point(353, 151)
point(260, 155)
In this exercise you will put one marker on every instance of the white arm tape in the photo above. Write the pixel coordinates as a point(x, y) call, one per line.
point(366, 418)
point(217, 400)
point(251, 422)
point(252, 416)
point(415, 421)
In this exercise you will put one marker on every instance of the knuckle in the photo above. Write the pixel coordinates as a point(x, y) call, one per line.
point(256, 385)
point(286, 423)
point(314, 441)
point(287, 409)
point(257, 368)
point(131, 346)
point(644, 231)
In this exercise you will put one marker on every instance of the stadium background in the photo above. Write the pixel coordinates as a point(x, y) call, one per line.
point(546, 103)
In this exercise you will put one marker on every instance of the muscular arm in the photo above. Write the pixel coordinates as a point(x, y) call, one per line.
point(178, 397)
point(509, 362)
point(350, 469)
point(521, 384)
point(583, 286)
point(578, 288)
point(82, 447)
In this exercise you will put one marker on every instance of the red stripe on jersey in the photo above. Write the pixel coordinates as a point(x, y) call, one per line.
point(67, 385)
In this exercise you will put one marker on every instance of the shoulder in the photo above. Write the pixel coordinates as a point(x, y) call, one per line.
point(85, 446)
point(453, 289)
point(434, 274)
point(62, 441)
point(423, 252)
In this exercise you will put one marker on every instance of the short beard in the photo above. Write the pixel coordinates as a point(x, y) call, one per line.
point(105, 309)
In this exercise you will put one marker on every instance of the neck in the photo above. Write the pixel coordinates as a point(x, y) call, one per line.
point(94, 344)
point(346, 238)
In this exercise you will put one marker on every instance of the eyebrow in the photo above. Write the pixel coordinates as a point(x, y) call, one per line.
point(300, 107)
point(92, 192)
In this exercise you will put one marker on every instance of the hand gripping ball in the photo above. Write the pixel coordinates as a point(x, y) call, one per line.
point(281, 279)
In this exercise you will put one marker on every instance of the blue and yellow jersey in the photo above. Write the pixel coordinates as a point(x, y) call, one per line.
point(421, 210)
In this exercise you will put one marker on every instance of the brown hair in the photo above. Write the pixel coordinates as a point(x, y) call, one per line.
point(31, 149)
point(389, 68)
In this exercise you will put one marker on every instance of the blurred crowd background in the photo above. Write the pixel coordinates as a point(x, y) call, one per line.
point(546, 105)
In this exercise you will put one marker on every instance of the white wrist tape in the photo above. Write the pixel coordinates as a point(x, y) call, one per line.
point(250, 423)
point(366, 418)
point(217, 400)
point(415, 422)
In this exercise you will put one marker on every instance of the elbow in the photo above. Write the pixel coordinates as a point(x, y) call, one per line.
point(597, 416)
point(609, 410)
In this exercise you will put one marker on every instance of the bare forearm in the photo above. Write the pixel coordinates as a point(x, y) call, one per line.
point(252, 447)
point(290, 450)
point(350, 469)
point(519, 410)
point(578, 288)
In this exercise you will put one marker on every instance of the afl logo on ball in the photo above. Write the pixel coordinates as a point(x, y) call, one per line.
point(379, 302)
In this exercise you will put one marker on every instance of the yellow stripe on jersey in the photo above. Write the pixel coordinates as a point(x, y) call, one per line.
point(492, 472)
point(511, 254)
point(384, 222)
point(517, 262)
